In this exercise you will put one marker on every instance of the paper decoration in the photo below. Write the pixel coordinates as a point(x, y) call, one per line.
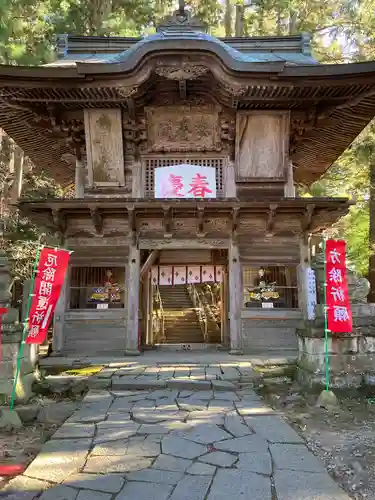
point(194, 274)
point(155, 275)
point(219, 274)
point(311, 293)
point(179, 275)
point(165, 275)
point(208, 274)
point(339, 314)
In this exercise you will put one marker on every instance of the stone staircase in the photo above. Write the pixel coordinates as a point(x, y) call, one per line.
point(180, 319)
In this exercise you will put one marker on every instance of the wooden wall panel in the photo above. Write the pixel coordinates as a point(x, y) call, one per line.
point(183, 257)
point(105, 155)
point(261, 145)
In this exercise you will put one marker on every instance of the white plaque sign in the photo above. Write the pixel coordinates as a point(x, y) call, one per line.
point(311, 293)
point(185, 181)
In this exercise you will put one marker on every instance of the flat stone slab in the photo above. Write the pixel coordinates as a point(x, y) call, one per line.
point(189, 384)
point(255, 462)
point(223, 385)
point(114, 432)
point(189, 404)
point(235, 425)
point(115, 464)
point(192, 488)
point(273, 428)
point(74, 431)
point(60, 492)
point(219, 458)
point(156, 476)
point(144, 491)
point(226, 396)
point(253, 444)
point(249, 408)
point(110, 483)
point(93, 495)
point(163, 394)
point(204, 434)
point(59, 459)
point(242, 485)
point(126, 382)
point(154, 416)
point(169, 463)
point(23, 488)
point(295, 457)
point(307, 486)
point(182, 448)
point(201, 469)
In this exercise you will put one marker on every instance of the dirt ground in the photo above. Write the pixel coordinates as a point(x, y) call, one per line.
point(344, 439)
point(21, 446)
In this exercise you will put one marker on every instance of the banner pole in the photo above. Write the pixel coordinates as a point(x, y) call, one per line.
point(24, 330)
point(326, 318)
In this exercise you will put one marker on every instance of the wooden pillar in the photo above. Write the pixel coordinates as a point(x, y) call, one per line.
point(80, 178)
point(224, 295)
point(289, 189)
point(59, 318)
point(230, 182)
point(150, 304)
point(235, 299)
point(132, 299)
point(302, 276)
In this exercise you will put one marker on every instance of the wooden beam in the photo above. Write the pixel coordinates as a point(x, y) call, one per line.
point(201, 233)
point(150, 261)
point(182, 86)
point(167, 221)
point(97, 220)
point(271, 219)
point(132, 224)
point(307, 218)
point(59, 220)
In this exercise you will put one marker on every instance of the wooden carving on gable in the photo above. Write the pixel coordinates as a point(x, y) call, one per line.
point(183, 129)
point(105, 157)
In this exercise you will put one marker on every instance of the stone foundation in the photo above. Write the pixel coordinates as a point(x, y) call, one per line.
point(8, 370)
point(351, 355)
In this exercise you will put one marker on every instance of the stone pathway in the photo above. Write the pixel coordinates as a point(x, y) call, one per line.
point(155, 436)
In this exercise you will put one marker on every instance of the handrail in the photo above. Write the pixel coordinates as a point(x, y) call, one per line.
point(200, 310)
point(160, 313)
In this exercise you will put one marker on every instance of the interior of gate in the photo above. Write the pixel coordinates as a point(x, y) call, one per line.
point(186, 301)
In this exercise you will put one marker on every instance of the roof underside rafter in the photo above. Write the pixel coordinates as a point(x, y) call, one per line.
point(41, 108)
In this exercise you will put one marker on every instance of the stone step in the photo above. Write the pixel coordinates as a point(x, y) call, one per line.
point(145, 382)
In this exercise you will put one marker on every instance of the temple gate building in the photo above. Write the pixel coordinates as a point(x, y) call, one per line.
point(184, 152)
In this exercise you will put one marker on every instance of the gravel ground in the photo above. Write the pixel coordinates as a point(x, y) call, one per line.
point(344, 439)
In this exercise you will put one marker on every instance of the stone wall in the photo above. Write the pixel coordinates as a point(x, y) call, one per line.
point(351, 355)
point(269, 335)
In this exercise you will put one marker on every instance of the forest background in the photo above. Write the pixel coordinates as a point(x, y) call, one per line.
point(342, 31)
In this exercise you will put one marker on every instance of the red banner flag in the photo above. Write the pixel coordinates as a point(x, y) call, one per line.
point(339, 312)
point(48, 281)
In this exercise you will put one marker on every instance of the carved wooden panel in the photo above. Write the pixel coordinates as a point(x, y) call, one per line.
point(149, 164)
point(147, 225)
point(105, 156)
point(261, 145)
point(183, 128)
point(187, 226)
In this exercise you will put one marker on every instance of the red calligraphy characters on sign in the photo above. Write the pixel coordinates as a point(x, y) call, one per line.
point(176, 185)
point(49, 278)
point(199, 187)
point(339, 313)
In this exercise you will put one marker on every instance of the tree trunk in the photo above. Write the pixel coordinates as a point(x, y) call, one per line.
point(371, 267)
point(240, 20)
point(228, 18)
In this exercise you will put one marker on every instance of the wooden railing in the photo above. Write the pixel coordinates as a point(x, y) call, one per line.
point(158, 317)
point(200, 310)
